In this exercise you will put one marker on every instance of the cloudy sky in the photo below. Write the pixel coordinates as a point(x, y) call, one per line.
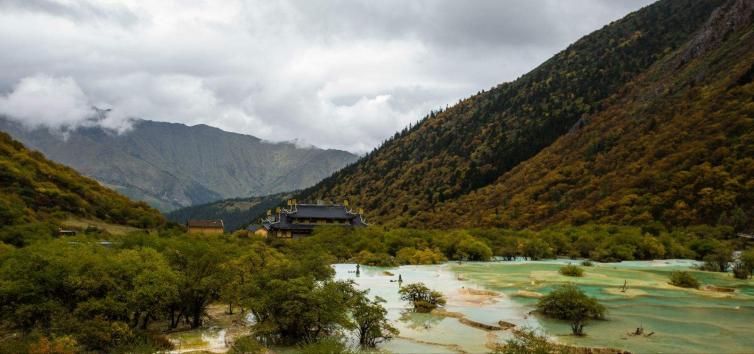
point(338, 74)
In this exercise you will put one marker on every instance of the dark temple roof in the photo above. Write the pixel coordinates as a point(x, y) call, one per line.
point(205, 223)
point(286, 220)
point(255, 227)
point(314, 211)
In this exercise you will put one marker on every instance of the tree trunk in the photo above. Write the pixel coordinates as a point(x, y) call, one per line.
point(196, 322)
point(577, 328)
point(174, 321)
point(147, 317)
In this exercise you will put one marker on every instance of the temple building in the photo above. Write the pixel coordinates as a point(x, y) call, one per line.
point(299, 220)
point(205, 226)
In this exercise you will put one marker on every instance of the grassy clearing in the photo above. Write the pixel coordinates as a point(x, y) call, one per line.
point(83, 224)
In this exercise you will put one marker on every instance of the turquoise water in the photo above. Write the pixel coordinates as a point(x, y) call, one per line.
point(423, 333)
point(684, 321)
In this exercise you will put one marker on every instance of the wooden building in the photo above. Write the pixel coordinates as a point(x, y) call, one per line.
point(299, 220)
point(205, 226)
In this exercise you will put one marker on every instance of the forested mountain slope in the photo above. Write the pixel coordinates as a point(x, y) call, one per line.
point(33, 188)
point(676, 146)
point(472, 144)
point(235, 213)
point(173, 165)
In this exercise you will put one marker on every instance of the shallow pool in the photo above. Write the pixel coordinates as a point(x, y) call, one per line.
point(682, 320)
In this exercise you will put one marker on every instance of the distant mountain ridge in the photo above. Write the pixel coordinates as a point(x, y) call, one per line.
point(555, 145)
point(172, 165)
point(235, 213)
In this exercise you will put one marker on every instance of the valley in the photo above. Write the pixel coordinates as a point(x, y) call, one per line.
point(600, 203)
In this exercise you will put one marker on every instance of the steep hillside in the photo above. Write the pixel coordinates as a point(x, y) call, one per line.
point(676, 146)
point(472, 144)
point(235, 213)
point(174, 165)
point(33, 188)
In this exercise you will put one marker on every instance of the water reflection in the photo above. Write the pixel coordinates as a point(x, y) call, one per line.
point(419, 321)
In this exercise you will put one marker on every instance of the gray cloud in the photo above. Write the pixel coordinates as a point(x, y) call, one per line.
point(76, 11)
point(338, 73)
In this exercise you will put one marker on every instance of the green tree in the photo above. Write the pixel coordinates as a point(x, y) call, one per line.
point(302, 308)
point(371, 322)
point(718, 260)
point(746, 260)
point(569, 303)
point(471, 249)
point(197, 260)
point(537, 249)
point(421, 297)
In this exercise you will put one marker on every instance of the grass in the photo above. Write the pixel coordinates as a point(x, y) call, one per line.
point(82, 224)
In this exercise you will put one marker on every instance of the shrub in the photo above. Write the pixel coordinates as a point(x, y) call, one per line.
point(328, 345)
point(741, 271)
point(683, 279)
point(246, 345)
point(587, 263)
point(528, 341)
point(571, 271)
point(569, 303)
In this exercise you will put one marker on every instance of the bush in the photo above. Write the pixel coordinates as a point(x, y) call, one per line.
point(683, 279)
point(569, 303)
point(571, 271)
point(587, 263)
point(741, 271)
point(528, 341)
point(328, 345)
point(246, 345)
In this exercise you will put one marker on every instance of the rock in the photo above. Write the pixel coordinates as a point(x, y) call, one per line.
point(719, 289)
point(734, 15)
point(527, 293)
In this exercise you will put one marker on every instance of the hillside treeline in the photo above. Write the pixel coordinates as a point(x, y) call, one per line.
point(414, 177)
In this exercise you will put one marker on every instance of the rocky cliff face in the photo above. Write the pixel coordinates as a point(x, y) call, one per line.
point(174, 165)
point(729, 18)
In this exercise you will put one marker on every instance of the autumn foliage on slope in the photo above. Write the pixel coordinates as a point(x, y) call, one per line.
point(33, 188)
point(470, 145)
point(675, 146)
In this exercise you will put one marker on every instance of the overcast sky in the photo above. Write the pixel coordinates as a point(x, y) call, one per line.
point(336, 74)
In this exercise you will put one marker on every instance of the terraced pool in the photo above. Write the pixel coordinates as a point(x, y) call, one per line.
point(683, 321)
